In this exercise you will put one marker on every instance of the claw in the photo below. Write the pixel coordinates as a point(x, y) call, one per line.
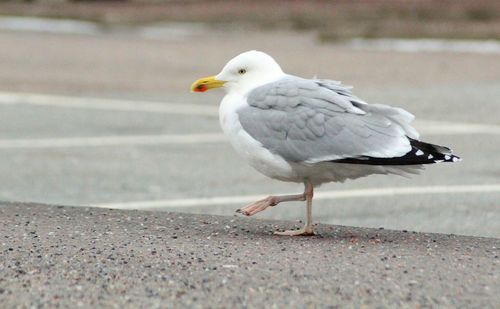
point(245, 213)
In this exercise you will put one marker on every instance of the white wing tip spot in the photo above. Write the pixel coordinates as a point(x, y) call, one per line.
point(430, 157)
point(419, 153)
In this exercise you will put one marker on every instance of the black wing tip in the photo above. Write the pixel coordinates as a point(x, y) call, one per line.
point(421, 153)
point(449, 158)
point(433, 153)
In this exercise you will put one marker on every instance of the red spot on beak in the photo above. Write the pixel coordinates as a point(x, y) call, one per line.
point(201, 88)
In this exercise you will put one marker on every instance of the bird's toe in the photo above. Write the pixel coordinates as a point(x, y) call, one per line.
point(300, 232)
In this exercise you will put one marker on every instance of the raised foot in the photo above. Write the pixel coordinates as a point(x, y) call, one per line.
point(302, 232)
point(258, 206)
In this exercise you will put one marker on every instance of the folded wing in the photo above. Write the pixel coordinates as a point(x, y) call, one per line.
point(312, 121)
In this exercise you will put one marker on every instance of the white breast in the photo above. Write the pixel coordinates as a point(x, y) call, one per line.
point(247, 147)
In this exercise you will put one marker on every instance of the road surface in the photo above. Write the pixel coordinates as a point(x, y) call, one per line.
point(86, 257)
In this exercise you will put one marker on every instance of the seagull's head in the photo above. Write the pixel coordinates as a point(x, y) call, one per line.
point(242, 73)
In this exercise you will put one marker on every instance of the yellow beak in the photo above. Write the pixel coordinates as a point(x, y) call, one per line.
point(206, 83)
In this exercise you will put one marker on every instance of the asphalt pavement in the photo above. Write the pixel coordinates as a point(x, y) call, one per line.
point(55, 256)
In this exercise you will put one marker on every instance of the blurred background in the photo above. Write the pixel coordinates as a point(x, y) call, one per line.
point(95, 107)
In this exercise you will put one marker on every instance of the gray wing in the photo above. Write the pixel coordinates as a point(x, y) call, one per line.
point(320, 120)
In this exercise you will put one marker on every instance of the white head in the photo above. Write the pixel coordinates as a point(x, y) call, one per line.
point(242, 73)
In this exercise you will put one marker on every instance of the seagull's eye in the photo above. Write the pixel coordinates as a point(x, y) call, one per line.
point(242, 71)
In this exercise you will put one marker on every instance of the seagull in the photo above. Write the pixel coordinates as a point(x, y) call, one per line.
point(311, 131)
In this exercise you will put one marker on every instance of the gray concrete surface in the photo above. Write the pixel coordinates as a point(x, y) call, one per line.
point(452, 87)
point(54, 256)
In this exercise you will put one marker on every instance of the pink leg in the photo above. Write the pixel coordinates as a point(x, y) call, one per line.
point(307, 230)
point(270, 201)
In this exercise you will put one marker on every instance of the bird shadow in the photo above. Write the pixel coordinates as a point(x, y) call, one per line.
point(349, 234)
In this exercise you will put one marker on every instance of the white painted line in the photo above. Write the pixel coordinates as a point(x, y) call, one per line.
point(426, 45)
point(9, 98)
point(112, 141)
point(430, 127)
point(321, 195)
point(50, 25)
point(426, 127)
point(171, 30)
